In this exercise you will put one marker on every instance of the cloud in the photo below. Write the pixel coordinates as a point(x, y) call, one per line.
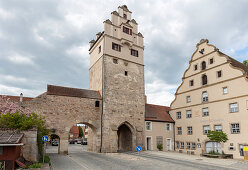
point(46, 42)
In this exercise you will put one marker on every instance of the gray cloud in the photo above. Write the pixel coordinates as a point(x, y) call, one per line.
point(46, 42)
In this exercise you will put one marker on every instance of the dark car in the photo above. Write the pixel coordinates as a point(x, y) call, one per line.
point(55, 143)
point(71, 142)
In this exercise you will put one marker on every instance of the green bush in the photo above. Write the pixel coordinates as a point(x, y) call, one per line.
point(35, 165)
point(46, 159)
point(160, 147)
point(22, 121)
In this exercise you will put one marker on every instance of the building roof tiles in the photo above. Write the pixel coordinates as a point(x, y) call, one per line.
point(157, 113)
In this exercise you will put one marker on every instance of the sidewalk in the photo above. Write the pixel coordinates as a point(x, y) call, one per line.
point(232, 163)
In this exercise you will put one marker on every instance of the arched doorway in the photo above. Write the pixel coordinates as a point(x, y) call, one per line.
point(124, 138)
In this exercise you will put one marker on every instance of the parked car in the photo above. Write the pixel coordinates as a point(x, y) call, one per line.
point(84, 142)
point(79, 141)
point(72, 142)
point(55, 143)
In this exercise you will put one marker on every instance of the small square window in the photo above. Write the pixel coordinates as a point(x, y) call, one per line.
point(115, 61)
point(235, 128)
point(193, 145)
point(225, 91)
point(191, 83)
point(148, 125)
point(134, 53)
point(126, 73)
point(211, 61)
point(205, 112)
point(97, 103)
point(219, 74)
point(196, 67)
point(218, 128)
point(190, 130)
point(116, 47)
point(206, 129)
point(188, 145)
point(233, 107)
point(182, 145)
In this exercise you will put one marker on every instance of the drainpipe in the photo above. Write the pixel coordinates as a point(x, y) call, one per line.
point(102, 91)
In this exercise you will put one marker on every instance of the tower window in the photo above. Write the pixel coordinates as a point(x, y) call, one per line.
point(204, 79)
point(134, 53)
point(127, 30)
point(99, 49)
point(115, 61)
point(203, 65)
point(125, 16)
point(97, 103)
point(116, 47)
point(126, 73)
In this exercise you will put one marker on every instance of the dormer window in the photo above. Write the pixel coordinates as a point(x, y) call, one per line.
point(127, 30)
point(125, 16)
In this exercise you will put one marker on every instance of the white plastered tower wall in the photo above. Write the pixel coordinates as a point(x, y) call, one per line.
point(234, 78)
point(121, 84)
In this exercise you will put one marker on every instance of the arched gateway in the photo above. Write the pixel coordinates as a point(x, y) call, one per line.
point(116, 94)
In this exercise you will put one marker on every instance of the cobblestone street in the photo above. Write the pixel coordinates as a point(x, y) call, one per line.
point(79, 158)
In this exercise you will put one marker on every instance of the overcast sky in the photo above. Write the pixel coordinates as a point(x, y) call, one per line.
point(46, 41)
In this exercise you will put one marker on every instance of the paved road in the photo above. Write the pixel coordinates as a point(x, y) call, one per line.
point(79, 159)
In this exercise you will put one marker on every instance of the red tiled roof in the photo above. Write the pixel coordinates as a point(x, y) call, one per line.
point(157, 113)
point(17, 98)
point(72, 92)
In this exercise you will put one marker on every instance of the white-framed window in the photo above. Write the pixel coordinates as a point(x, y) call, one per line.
point(193, 145)
point(204, 96)
point(190, 130)
point(233, 107)
point(182, 145)
point(179, 115)
point(188, 145)
point(225, 90)
point(206, 129)
point(148, 125)
point(188, 114)
point(168, 126)
point(188, 100)
point(235, 128)
point(205, 111)
point(218, 128)
point(179, 130)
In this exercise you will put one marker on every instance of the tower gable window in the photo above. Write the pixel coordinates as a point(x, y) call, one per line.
point(127, 30)
point(97, 103)
point(219, 74)
point(191, 83)
point(195, 67)
point(134, 53)
point(126, 73)
point(204, 79)
point(203, 65)
point(125, 16)
point(116, 47)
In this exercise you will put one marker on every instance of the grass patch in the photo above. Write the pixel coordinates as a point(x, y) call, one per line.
point(46, 159)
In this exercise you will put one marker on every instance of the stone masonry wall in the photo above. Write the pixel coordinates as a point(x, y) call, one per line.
point(124, 102)
point(62, 112)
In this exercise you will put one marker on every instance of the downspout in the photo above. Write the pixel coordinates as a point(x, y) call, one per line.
point(102, 90)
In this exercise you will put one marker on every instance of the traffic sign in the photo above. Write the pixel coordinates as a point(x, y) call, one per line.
point(45, 138)
point(138, 148)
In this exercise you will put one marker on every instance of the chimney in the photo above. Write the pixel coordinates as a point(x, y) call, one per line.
point(21, 97)
point(98, 35)
point(92, 42)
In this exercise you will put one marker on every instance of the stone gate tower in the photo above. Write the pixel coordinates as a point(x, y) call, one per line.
point(117, 72)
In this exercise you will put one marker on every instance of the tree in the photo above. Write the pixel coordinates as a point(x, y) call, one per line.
point(245, 62)
point(217, 136)
point(81, 134)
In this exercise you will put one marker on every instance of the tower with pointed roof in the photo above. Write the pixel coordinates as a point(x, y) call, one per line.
point(117, 72)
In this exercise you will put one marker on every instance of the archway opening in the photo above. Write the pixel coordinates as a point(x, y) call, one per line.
point(53, 145)
point(124, 138)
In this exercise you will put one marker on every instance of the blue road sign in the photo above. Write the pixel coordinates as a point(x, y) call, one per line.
point(138, 148)
point(45, 138)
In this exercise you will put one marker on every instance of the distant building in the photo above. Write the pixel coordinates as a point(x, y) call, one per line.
point(159, 128)
point(213, 96)
point(74, 132)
